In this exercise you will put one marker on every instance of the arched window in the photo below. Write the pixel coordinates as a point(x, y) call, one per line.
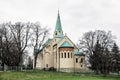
point(61, 55)
point(76, 60)
point(81, 60)
point(68, 55)
point(64, 55)
point(71, 55)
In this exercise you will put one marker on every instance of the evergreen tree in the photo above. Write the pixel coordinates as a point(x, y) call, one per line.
point(115, 49)
point(100, 60)
point(96, 45)
point(115, 58)
point(105, 62)
point(95, 59)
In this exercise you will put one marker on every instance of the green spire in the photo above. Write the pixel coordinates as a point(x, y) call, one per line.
point(58, 28)
point(58, 23)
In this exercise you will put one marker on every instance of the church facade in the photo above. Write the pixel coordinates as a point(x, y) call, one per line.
point(60, 53)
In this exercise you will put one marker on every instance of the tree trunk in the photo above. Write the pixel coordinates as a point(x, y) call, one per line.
point(97, 71)
point(35, 61)
point(5, 67)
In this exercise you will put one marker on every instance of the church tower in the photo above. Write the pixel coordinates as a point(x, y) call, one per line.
point(58, 33)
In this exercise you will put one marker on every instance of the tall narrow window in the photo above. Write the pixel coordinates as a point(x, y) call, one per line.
point(68, 55)
point(76, 60)
point(71, 55)
point(64, 55)
point(61, 55)
point(81, 60)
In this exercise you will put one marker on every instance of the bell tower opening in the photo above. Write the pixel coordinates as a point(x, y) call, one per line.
point(58, 28)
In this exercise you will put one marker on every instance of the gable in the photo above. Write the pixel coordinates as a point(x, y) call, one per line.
point(66, 42)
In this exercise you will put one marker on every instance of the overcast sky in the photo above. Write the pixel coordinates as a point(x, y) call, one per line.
point(77, 16)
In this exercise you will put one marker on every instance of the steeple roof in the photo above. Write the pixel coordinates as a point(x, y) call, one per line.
point(58, 26)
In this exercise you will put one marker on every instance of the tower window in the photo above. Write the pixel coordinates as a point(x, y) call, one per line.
point(68, 55)
point(76, 60)
point(65, 55)
point(61, 55)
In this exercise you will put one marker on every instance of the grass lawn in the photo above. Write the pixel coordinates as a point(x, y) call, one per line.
point(46, 75)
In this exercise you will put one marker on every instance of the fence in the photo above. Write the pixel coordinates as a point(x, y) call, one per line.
point(14, 68)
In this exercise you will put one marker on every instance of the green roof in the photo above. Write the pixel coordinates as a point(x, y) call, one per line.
point(66, 44)
point(59, 35)
point(58, 41)
point(76, 51)
point(47, 42)
point(58, 24)
point(58, 28)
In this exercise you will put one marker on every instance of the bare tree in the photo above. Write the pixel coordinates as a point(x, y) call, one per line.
point(21, 35)
point(88, 44)
point(25, 57)
point(7, 46)
point(89, 40)
point(30, 63)
point(39, 36)
point(1, 45)
point(14, 38)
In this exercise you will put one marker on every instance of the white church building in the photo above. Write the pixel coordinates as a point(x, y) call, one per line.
point(60, 53)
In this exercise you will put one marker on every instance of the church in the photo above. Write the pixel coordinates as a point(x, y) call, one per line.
point(60, 53)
